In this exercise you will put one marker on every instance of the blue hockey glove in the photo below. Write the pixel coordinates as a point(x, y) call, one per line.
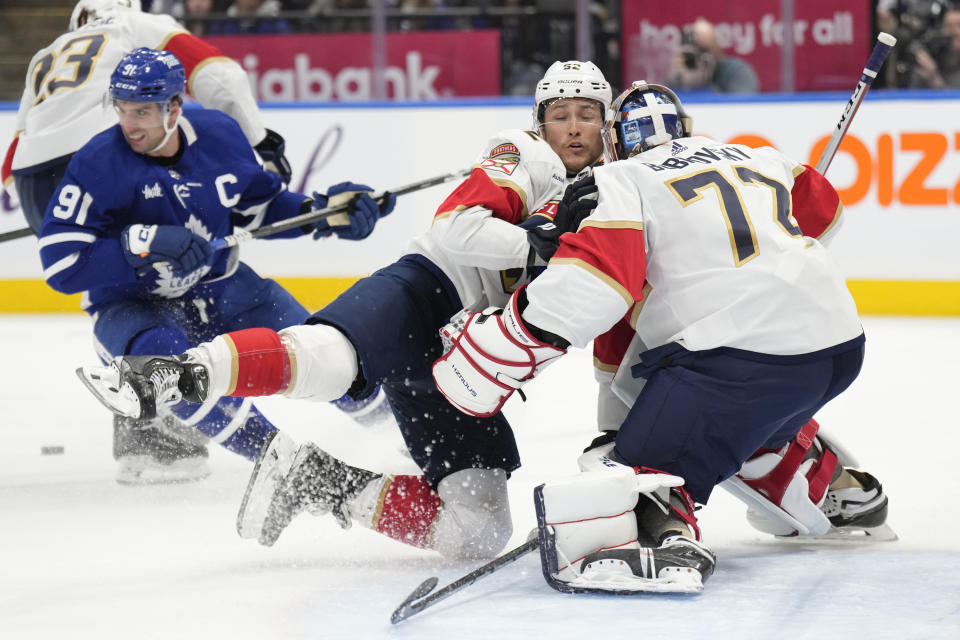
point(271, 150)
point(361, 217)
point(184, 250)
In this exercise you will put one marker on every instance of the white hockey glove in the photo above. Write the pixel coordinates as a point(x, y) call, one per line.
point(490, 356)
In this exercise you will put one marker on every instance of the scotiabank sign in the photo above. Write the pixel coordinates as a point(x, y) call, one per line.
point(831, 39)
point(337, 67)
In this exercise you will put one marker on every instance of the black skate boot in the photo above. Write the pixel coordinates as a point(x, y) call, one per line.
point(678, 565)
point(157, 451)
point(855, 503)
point(317, 482)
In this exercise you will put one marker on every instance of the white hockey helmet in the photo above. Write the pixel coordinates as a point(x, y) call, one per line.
point(570, 79)
point(89, 9)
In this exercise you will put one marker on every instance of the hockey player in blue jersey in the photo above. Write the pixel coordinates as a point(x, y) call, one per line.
point(130, 227)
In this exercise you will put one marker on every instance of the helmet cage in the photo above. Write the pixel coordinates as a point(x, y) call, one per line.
point(642, 117)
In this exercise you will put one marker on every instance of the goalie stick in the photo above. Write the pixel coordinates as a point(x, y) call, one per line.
point(421, 598)
point(313, 216)
point(885, 42)
point(296, 221)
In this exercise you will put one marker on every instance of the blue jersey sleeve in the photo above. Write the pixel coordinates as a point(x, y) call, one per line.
point(79, 244)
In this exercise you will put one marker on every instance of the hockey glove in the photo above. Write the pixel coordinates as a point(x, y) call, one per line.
point(492, 355)
point(270, 150)
point(579, 201)
point(144, 245)
point(361, 217)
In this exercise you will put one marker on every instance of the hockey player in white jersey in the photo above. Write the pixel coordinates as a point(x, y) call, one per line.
point(63, 104)
point(744, 330)
point(488, 237)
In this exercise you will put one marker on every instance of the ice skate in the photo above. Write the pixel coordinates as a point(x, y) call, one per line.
point(316, 482)
point(273, 465)
point(809, 490)
point(856, 506)
point(678, 565)
point(156, 452)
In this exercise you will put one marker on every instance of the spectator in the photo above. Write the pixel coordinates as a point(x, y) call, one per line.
point(701, 64)
point(169, 7)
point(914, 23)
point(194, 13)
point(937, 56)
point(252, 17)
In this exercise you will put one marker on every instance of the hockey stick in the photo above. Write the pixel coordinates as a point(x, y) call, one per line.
point(420, 600)
point(885, 42)
point(313, 216)
point(18, 233)
point(296, 221)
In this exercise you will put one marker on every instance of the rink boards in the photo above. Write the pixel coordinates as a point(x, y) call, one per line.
point(898, 174)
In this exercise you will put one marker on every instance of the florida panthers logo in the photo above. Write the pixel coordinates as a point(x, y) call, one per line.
point(506, 165)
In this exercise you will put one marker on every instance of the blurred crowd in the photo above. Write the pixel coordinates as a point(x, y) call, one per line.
point(285, 16)
point(927, 54)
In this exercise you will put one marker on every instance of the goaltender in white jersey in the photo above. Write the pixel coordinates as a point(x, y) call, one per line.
point(745, 330)
point(63, 103)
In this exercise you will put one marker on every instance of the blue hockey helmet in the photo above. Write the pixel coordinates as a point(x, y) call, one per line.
point(148, 75)
point(642, 117)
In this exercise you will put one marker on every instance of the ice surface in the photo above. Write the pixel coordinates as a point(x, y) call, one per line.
point(83, 557)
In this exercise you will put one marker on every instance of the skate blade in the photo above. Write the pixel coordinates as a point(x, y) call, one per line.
point(269, 471)
point(104, 383)
point(144, 470)
point(675, 581)
point(849, 535)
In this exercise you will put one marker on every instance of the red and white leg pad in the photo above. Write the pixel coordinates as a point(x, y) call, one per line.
point(785, 488)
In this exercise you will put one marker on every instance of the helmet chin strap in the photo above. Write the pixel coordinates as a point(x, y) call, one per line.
point(167, 131)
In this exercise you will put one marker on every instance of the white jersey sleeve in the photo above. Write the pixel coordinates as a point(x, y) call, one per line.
point(65, 102)
point(715, 240)
point(474, 238)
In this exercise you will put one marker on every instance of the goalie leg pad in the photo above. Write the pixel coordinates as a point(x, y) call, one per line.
point(785, 488)
point(588, 531)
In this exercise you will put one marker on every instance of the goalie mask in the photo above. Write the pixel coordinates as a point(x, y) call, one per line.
point(570, 79)
point(87, 10)
point(642, 117)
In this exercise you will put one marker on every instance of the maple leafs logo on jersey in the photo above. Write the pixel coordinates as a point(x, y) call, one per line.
point(505, 165)
point(195, 225)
